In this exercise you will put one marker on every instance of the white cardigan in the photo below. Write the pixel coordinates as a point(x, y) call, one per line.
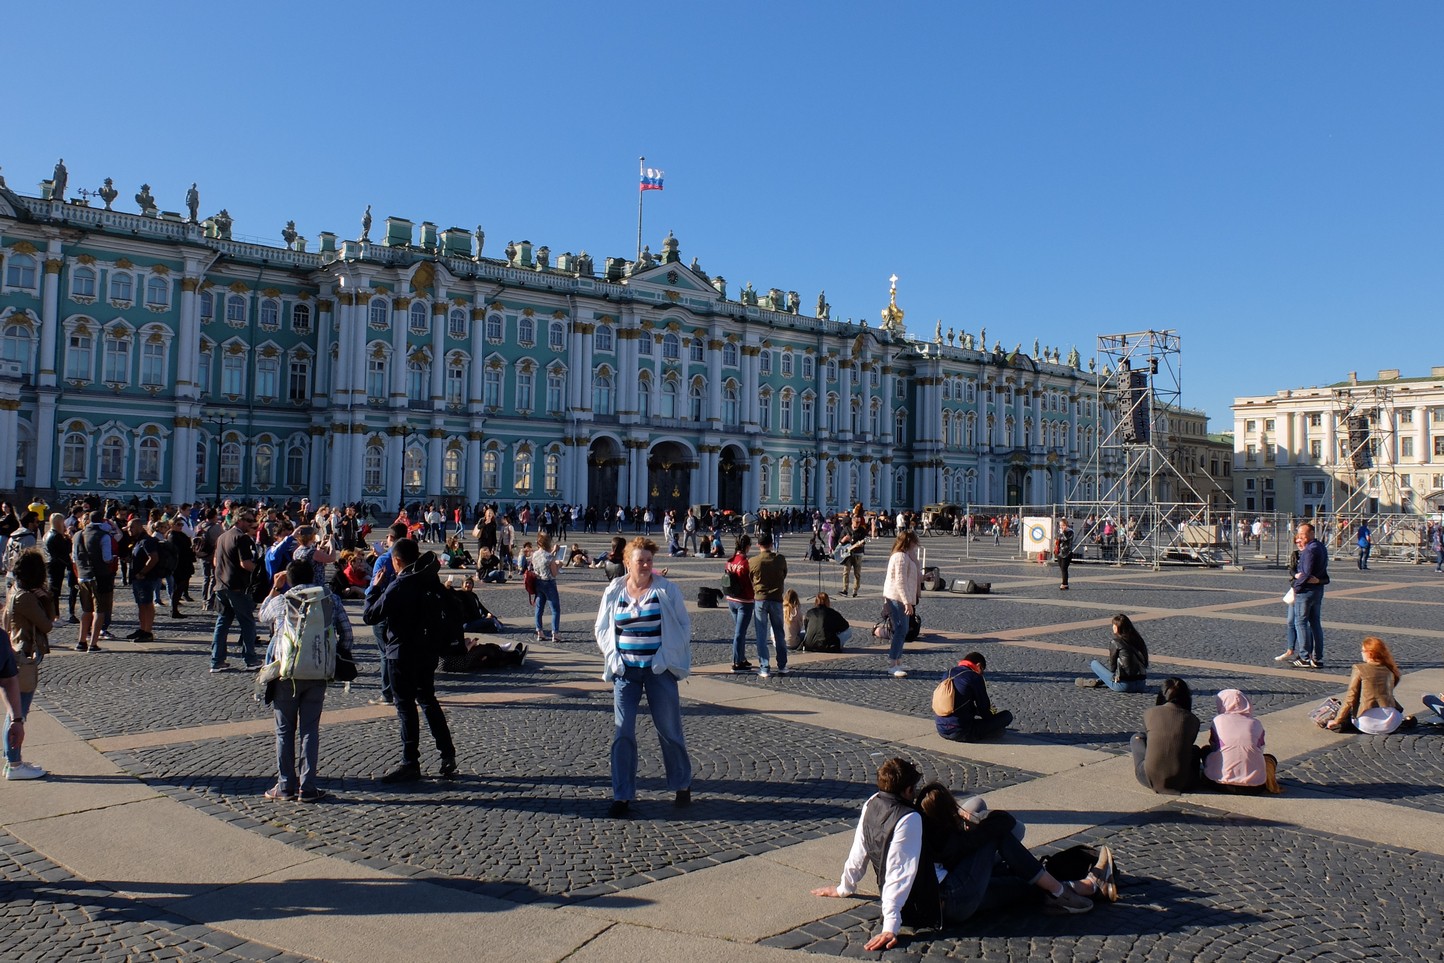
point(675, 653)
point(904, 578)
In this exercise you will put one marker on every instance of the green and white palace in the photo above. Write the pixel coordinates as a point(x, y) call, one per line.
point(153, 353)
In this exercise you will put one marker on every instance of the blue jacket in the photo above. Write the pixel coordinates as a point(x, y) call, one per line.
point(397, 608)
point(1313, 567)
point(969, 703)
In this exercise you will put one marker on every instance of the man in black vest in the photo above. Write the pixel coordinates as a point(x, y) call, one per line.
point(890, 837)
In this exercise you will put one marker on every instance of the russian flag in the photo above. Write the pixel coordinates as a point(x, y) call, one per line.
point(651, 179)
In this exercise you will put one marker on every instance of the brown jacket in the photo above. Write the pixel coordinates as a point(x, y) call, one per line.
point(1370, 687)
point(29, 621)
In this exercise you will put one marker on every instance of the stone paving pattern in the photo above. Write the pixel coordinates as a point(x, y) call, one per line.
point(49, 916)
point(1199, 886)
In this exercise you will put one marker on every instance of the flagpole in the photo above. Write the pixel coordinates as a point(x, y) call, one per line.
point(641, 172)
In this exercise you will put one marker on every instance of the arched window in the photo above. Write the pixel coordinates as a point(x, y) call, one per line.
point(784, 479)
point(157, 292)
point(552, 473)
point(602, 339)
point(418, 380)
point(809, 415)
point(268, 378)
point(900, 486)
point(122, 287)
point(230, 464)
point(695, 350)
point(764, 366)
point(236, 309)
point(671, 347)
point(874, 418)
point(456, 382)
point(373, 465)
point(809, 367)
point(148, 459)
point(602, 393)
point(669, 399)
point(152, 363)
point(15, 344)
point(301, 319)
point(784, 412)
point(456, 324)
point(899, 426)
point(730, 415)
point(525, 388)
point(379, 313)
point(787, 364)
point(296, 464)
point(526, 331)
point(856, 417)
point(971, 440)
point(764, 480)
point(557, 336)
point(729, 353)
point(695, 400)
point(270, 317)
point(830, 413)
point(644, 344)
point(75, 455)
point(298, 380)
point(376, 378)
point(490, 470)
point(420, 315)
point(764, 409)
point(112, 459)
point(203, 368)
point(556, 390)
point(415, 462)
point(265, 468)
point(521, 471)
point(451, 469)
point(832, 369)
point(830, 473)
point(947, 425)
point(117, 357)
point(495, 327)
point(82, 283)
point(201, 463)
point(20, 271)
point(644, 397)
point(208, 306)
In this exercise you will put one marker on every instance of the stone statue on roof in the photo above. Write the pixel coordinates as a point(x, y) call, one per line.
point(366, 224)
point(967, 341)
point(288, 234)
point(193, 203)
point(1073, 358)
point(223, 224)
point(647, 259)
point(146, 201)
point(58, 180)
point(938, 332)
point(107, 192)
point(480, 240)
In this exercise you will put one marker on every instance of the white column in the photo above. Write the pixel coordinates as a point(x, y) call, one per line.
point(888, 389)
point(317, 454)
point(1037, 400)
point(399, 315)
point(360, 326)
point(345, 346)
point(844, 397)
point(473, 471)
point(435, 451)
point(1421, 445)
point(49, 322)
point(1285, 438)
point(1331, 444)
point(1073, 426)
point(574, 374)
point(438, 358)
point(714, 377)
point(478, 362)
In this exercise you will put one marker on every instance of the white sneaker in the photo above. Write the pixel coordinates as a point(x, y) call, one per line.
point(763, 674)
point(899, 672)
point(24, 770)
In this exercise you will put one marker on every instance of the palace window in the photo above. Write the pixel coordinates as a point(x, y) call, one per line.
point(525, 389)
point(490, 469)
point(521, 471)
point(298, 382)
point(671, 347)
point(268, 372)
point(82, 283)
point(376, 369)
point(372, 465)
point(451, 469)
point(152, 364)
point(420, 318)
point(122, 287)
point(729, 354)
point(112, 459)
point(526, 331)
point(495, 328)
point(20, 272)
point(117, 359)
point(270, 318)
point(455, 384)
point(236, 309)
point(379, 313)
point(602, 339)
point(301, 319)
point(456, 324)
point(557, 336)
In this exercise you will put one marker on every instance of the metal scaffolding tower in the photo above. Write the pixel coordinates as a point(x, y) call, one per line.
point(1367, 478)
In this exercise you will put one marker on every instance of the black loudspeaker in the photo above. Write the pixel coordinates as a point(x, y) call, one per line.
point(933, 580)
point(969, 587)
point(708, 598)
point(1360, 450)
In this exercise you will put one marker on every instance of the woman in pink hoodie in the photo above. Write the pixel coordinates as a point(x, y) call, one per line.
point(1234, 758)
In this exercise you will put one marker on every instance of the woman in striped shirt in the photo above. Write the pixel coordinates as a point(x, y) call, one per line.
point(645, 634)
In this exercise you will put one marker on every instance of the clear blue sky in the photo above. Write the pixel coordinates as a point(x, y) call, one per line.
point(1263, 177)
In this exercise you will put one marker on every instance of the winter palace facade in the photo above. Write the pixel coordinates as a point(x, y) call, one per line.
point(150, 353)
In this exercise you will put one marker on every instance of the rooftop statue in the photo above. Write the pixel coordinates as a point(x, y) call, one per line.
point(480, 240)
point(366, 224)
point(223, 224)
point(1073, 358)
point(288, 234)
point(146, 201)
point(58, 180)
point(193, 203)
point(108, 193)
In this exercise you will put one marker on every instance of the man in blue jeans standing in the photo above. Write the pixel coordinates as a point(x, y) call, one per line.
point(769, 578)
point(384, 573)
point(235, 561)
point(1308, 586)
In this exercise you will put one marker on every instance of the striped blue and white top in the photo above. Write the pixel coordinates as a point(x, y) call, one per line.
point(639, 628)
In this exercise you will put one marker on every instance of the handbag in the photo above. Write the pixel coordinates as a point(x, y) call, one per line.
point(1289, 596)
point(29, 677)
point(1326, 711)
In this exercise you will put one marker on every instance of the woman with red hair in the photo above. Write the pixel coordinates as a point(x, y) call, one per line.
point(1370, 706)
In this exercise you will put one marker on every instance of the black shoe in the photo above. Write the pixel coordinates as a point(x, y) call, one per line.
point(448, 768)
point(618, 809)
point(314, 797)
point(684, 798)
point(134, 636)
point(743, 666)
point(406, 772)
point(144, 637)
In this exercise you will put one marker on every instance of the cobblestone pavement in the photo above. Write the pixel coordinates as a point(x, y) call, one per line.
point(528, 811)
point(49, 916)
point(525, 819)
point(1201, 887)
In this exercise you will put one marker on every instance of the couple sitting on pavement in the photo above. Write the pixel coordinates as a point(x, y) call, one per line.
point(937, 861)
point(1166, 760)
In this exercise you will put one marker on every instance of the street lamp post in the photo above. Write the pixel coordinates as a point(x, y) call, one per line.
point(802, 464)
point(405, 431)
point(220, 420)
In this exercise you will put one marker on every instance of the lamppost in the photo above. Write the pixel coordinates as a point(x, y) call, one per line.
point(220, 420)
point(405, 431)
point(803, 465)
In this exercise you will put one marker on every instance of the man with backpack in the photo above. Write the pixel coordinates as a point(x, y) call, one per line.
point(310, 641)
point(151, 562)
point(408, 611)
point(203, 546)
point(961, 710)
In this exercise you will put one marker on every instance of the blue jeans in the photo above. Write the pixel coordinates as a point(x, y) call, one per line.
point(1101, 671)
point(898, 615)
point(666, 708)
point(998, 874)
point(741, 618)
point(1364, 551)
point(1291, 632)
point(148, 590)
point(1308, 622)
point(12, 755)
point(768, 613)
point(239, 607)
point(298, 713)
point(546, 594)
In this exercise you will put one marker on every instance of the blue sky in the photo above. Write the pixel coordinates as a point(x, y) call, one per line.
point(1262, 177)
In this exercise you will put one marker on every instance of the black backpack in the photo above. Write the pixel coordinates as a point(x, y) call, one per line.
point(166, 559)
point(443, 620)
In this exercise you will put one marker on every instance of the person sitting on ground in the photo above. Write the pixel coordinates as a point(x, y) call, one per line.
point(577, 557)
point(889, 836)
point(1369, 706)
point(674, 547)
point(973, 717)
point(1127, 669)
point(298, 702)
point(352, 575)
point(982, 864)
point(478, 617)
point(823, 627)
point(1234, 759)
point(1164, 756)
point(792, 619)
point(611, 561)
point(489, 566)
point(456, 556)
